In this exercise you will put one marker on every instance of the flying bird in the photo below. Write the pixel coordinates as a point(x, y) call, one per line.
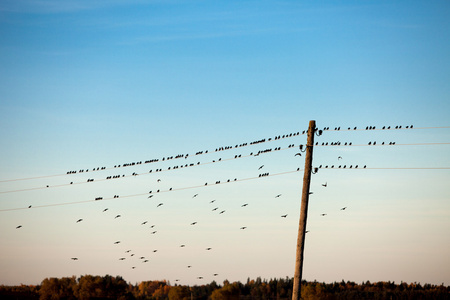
point(195, 196)
point(160, 204)
point(79, 220)
point(105, 209)
point(183, 246)
point(243, 205)
point(212, 201)
point(343, 208)
point(118, 242)
point(215, 209)
point(193, 223)
point(323, 215)
point(299, 154)
point(243, 227)
point(277, 196)
point(221, 212)
point(143, 223)
point(74, 258)
point(122, 258)
point(284, 216)
point(260, 167)
point(20, 226)
point(29, 206)
point(118, 216)
point(339, 157)
point(208, 249)
point(324, 184)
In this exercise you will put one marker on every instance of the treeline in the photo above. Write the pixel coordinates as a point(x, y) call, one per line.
point(109, 287)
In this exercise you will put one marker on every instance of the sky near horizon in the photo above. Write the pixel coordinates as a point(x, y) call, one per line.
point(87, 84)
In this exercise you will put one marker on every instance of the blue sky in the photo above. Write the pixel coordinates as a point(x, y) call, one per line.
point(95, 83)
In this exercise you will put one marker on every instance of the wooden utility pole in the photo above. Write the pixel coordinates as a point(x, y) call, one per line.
point(296, 294)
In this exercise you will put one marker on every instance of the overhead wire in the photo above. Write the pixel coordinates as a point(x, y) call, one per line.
point(159, 192)
point(337, 129)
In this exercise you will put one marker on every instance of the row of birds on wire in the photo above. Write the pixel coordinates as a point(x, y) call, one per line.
point(223, 148)
point(268, 150)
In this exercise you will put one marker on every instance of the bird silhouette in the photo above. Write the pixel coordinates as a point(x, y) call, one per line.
point(284, 216)
point(260, 167)
point(160, 204)
point(193, 223)
point(343, 208)
point(208, 249)
point(20, 226)
point(298, 153)
point(122, 258)
point(183, 246)
point(339, 157)
point(143, 223)
point(29, 206)
point(74, 258)
point(195, 196)
point(215, 209)
point(324, 184)
point(118, 216)
point(105, 209)
point(277, 196)
point(212, 201)
point(128, 251)
point(79, 220)
point(243, 227)
point(323, 215)
point(221, 212)
point(244, 205)
point(118, 242)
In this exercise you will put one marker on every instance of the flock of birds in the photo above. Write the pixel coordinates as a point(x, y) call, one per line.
point(144, 258)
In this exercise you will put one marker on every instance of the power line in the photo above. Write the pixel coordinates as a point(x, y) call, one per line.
point(166, 158)
point(224, 148)
point(159, 192)
point(151, 171)
point(270, 150)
